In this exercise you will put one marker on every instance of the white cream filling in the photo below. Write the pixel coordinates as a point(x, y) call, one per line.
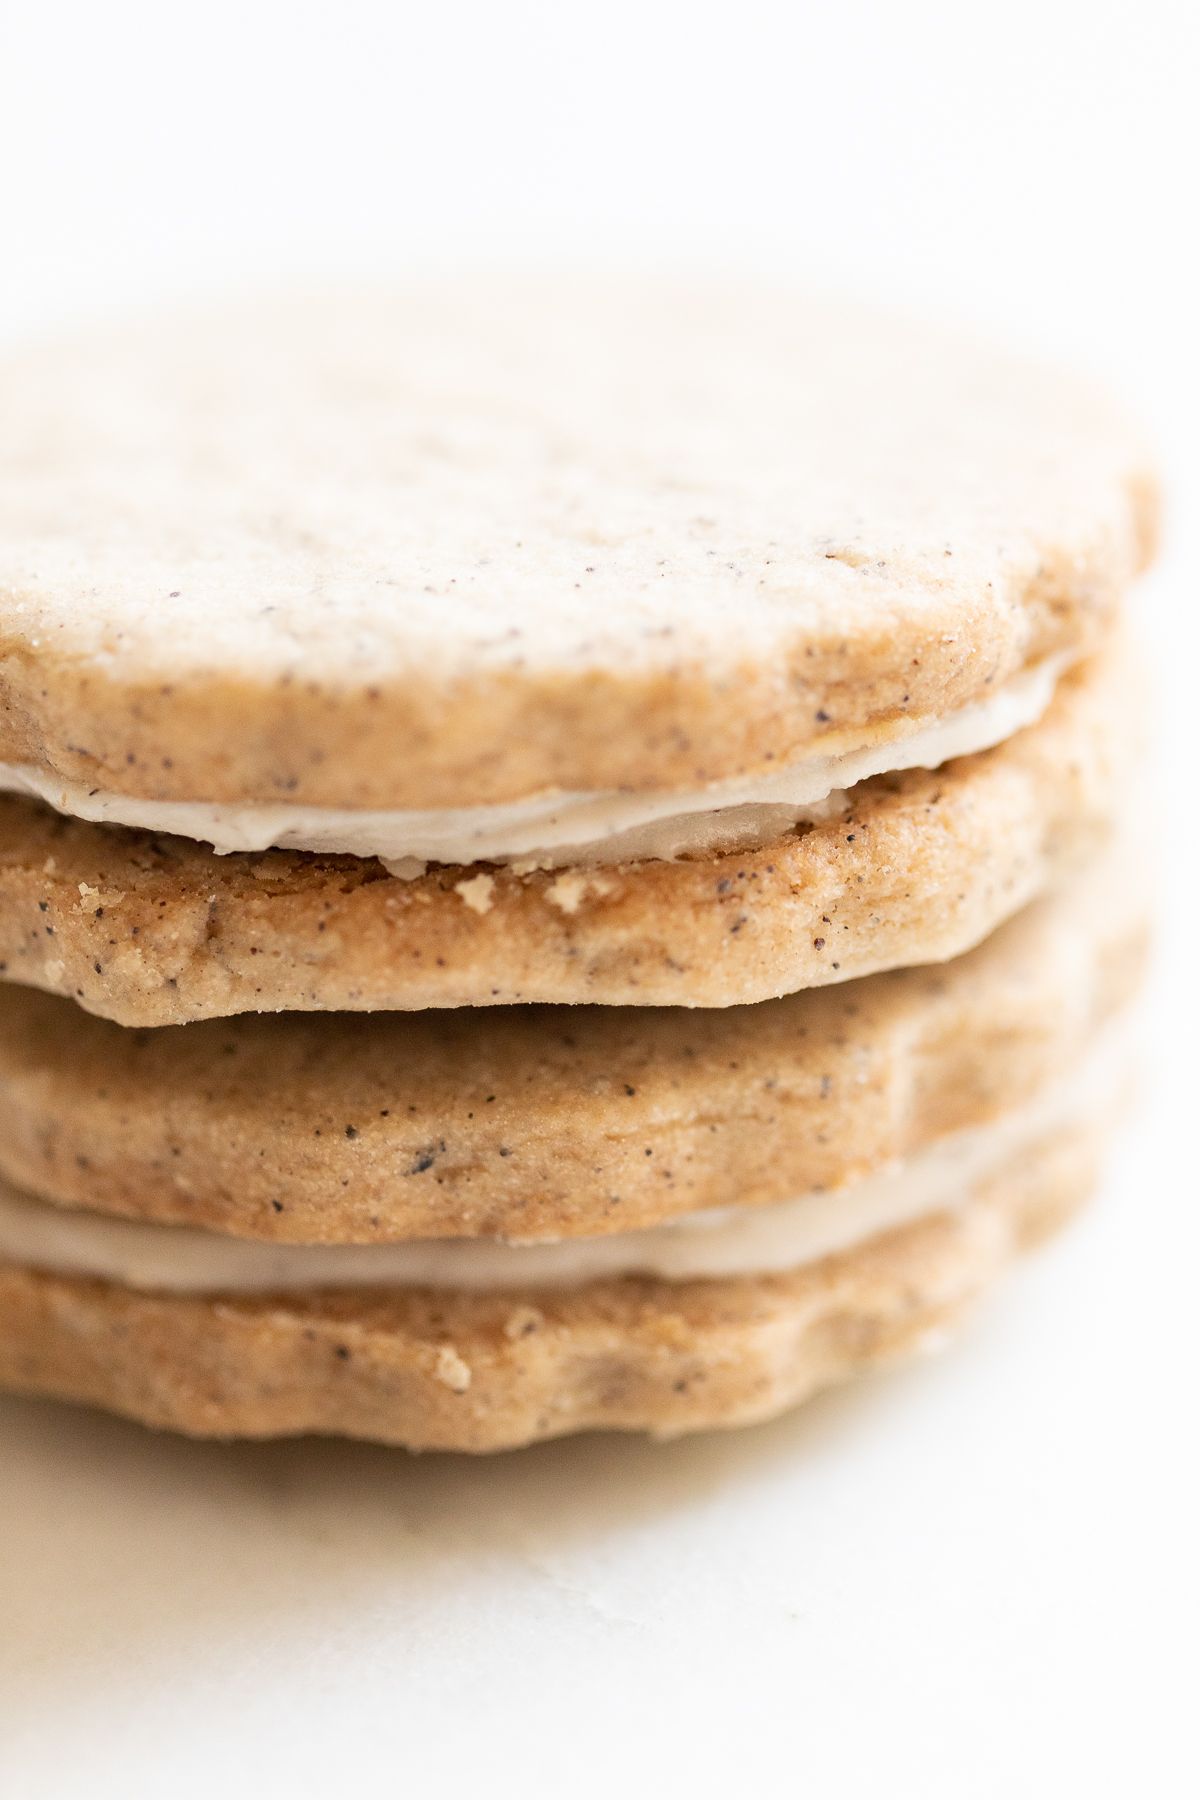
point(719, 1242)
point(555, 828)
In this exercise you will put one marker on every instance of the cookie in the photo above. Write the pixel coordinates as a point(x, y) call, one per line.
point(913, 867)
point(559, 643)
point(547, 1122)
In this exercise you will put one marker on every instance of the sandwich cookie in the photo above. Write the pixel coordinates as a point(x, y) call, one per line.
point(564, 643)
point(662, 1220)
point(491, 1370)
point(908, 868)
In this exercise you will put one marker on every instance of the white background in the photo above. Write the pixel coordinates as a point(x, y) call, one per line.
point(974, 1577)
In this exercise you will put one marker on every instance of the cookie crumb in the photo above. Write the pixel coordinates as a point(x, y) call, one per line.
point(92, 900)
point(451, 1370)
point(569, 890)
point(477, 892)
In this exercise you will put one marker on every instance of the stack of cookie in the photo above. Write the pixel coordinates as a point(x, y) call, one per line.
point(559, 854)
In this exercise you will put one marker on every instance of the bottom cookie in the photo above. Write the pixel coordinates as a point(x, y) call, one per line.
point(492, 1371)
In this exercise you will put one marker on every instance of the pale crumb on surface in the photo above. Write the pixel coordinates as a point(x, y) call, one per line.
point(55, 971)
point(451, 1370)
point(92, 899)
point(522, 1321)
point(477, 892)
point(570, 889)
point(50, 866)
point(567, 892)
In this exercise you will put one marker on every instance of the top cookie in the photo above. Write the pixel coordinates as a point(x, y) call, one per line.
point(458, 547)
